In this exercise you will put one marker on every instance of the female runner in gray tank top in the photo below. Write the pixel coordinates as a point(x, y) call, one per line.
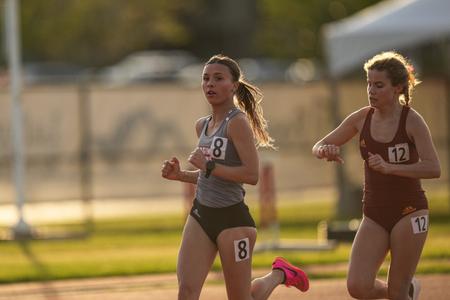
point(219, 221)
point(398, 151)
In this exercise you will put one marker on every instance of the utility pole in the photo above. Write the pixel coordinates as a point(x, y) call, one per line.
point(21, 230)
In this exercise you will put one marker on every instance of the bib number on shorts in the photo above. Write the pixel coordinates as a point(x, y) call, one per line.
point(241, 249)
point(399, 153)
point(419, 224)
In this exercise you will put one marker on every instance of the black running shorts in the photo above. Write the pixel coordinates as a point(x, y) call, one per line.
point(215, 220)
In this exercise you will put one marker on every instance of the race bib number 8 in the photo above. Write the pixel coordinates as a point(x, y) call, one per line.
point(419, 224)
point(241, 249)
point(218, 147)
point(399, 153)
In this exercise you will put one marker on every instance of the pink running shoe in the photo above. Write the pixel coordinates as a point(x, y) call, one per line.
point(293, 276)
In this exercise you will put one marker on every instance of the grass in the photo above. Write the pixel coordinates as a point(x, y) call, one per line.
point(149, 245)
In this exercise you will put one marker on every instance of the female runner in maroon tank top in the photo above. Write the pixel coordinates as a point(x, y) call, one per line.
point(398, 151)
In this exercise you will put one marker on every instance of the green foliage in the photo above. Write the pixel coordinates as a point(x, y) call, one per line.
point(100, 32)
point(149, 244)
point(296, 25)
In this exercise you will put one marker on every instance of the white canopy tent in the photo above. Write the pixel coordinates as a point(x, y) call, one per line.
point(391, 24)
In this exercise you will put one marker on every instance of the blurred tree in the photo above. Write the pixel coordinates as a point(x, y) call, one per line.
point(102, 31)
point(291, 28)
point(227, 27)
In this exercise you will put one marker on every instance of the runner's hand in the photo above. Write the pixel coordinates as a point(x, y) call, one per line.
point(377, 163)
point(171, 169)
point(198, 159)
point(330, 152)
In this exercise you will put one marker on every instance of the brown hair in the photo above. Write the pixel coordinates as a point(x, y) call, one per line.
point(249, 99)
point(399, 70)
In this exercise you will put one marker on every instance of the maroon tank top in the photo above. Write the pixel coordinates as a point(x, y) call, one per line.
point(381, 189)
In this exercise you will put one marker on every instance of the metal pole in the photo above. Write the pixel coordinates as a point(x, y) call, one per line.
point(341, 179)
point(84, 113)
point(445, 46)
point(21, 229)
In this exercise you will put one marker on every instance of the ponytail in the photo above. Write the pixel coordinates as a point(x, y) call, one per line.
point(249, 99)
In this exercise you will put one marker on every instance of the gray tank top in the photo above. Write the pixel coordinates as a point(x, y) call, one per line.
point(215, 191)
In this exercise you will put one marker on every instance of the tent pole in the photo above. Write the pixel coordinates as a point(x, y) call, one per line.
point(341, 179)
point(445, 46)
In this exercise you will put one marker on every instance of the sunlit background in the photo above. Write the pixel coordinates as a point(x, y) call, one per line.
point(111, 88)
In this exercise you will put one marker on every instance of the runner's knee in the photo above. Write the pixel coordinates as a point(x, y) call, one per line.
point(398, 291)
point(188, 291)
point(359, 288)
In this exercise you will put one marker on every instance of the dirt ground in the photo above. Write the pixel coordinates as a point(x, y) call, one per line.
point(163, 287)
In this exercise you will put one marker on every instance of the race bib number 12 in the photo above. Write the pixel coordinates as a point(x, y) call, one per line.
point(419, 224)
point(399, 153)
